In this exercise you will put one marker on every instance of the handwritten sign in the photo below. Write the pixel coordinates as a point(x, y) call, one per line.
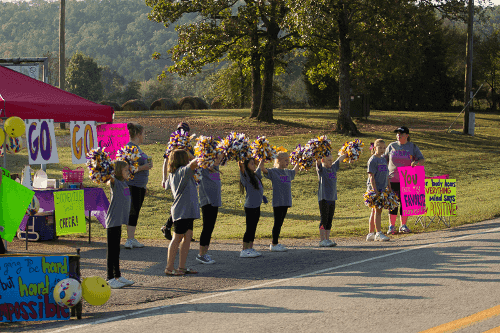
point(14, 200)
point(27, 286)
point(412, 187)
point(69, 212)
point(83, 139)
point(5, 172)
point(113, 137)
point(41, 141)
point(441, 197)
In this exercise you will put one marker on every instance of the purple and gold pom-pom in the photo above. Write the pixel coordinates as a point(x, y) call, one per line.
point(352, 149)
point(179, 139)
point(319, 147)
point(130, 155)
point(101, 167)
point(206, 151)
point(197, 176)
point(385, 200)
point(261, 149)
point(303, 157)
point(235, 147)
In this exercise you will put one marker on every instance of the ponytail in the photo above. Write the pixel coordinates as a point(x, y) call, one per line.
point(134, 129)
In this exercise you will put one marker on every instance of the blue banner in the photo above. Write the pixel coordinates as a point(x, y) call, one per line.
point(27, 285)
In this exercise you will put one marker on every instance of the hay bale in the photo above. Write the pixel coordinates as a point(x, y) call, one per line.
point(217, 103)
point(134, 105)
point(163, 104)
point(192, 103)
point(114, 105)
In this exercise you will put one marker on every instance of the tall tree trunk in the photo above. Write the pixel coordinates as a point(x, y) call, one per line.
point(266, 105)
point(345, 125)
point(242, 87)
point(256, 84)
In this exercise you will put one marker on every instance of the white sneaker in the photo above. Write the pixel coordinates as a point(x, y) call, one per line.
point(370, 237)
point(381, 237)
point(324, 243)
point(255, 253)
point(136, 243)
point(331, 243)
point(249, 253)
point(205, 259)
point(115, 284)
point(125, 281)
point(277, 248)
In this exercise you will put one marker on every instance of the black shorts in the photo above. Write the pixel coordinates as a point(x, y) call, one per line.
point(183, 225)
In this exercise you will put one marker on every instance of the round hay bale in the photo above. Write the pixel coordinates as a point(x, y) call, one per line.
point(192, 103)
point(163, 104)
point(114, 105)
point(187, 103)
point(217, 103)
point(134, 105)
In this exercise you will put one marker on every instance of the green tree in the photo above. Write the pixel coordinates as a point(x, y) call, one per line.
point(83, 77)
point(113, 84)
point(153, 89)
point(487, 62)
point(230, 85)
point(132, 91)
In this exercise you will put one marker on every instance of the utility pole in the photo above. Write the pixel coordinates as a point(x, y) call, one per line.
point(62, 51)
point(468, 68)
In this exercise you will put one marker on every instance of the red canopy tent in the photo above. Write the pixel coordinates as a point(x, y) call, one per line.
point(28, 98)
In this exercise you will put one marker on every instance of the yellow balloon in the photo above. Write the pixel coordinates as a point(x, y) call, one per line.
point(2, 137)
point(95, 290)
point(14, 127)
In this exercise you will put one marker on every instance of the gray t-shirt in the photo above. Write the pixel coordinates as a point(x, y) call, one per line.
point(401, 156)
point(185, 195)
point(327, 187)
point(282, 186)
point(119, 207)
point(140, 178)
point(210, 188)
point(253, 196)
point(377, 166)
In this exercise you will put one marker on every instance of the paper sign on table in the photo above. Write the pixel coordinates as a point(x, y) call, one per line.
point(69, 212)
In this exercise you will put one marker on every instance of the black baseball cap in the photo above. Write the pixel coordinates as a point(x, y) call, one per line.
point(402, 129)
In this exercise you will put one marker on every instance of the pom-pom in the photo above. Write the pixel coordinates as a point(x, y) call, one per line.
point(304, 158)
point(319, 147)
point(206, 151)
point(101, 167)
point(131, 156)
point(179, 140)
point(261, 149)
point(352, 149)
point(385, 200)
point(235, 147)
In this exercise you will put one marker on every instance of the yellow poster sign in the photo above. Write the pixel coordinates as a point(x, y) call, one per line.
point(441, 197)
point(70, 212)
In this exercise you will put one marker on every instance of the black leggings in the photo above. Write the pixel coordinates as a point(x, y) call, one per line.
point(279, 217)
point(326, 211)
point(209, 217)
point(137, 194)
point(396, 187)
point(252, 219)
point(113, 255)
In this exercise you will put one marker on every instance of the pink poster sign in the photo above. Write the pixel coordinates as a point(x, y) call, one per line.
point(113, 137)
point(412, 186)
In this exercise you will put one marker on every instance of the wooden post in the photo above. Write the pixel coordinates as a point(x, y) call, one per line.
point(468, 69)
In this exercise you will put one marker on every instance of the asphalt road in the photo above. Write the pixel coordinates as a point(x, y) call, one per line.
point(410, 284)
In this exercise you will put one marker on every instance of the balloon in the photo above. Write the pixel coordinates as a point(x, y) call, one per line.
point(67, 293)
point(96, 291)
point(34, 206)
point(14, 126)
point(14, 145)
point(2, 137)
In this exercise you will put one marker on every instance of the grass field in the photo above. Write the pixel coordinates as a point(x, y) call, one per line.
point(472, 160)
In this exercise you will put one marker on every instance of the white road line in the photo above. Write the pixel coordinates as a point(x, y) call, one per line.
point(224, 293)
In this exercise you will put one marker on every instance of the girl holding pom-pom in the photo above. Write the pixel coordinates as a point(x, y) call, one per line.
point(184, 210)
point(117, 215)
point(281, 178)
point(378, 180)
point(138, 185)
point(251, 183)
point(210, 201)
point(327, 169)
